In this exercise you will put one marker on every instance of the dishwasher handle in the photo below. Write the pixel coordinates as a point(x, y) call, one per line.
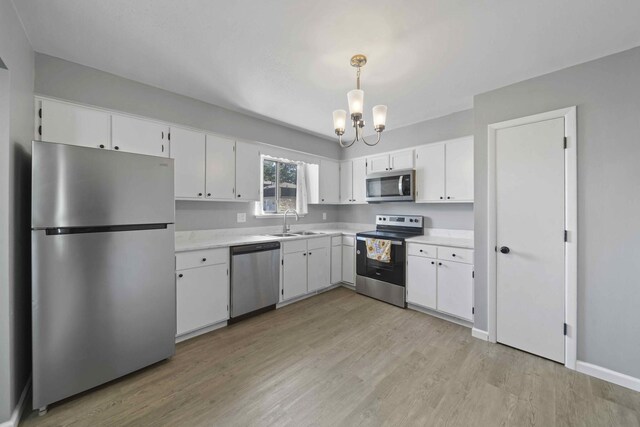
point(256, 247)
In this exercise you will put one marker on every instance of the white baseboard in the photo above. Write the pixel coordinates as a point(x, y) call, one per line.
point(480, 334)
point(439, 315)
point(200, 331)
point(19, 409)
point(614, 377)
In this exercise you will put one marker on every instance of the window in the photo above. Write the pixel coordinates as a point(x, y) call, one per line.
point(279, 186)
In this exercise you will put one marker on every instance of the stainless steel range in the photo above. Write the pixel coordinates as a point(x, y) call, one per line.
point(381, 257)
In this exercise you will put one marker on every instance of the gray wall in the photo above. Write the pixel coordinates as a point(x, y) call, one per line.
point(208, 215)
point(452, 216)
point(607, 95)
point(15, 147)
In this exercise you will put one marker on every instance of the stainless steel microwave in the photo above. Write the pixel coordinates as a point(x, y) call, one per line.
point(393, 186)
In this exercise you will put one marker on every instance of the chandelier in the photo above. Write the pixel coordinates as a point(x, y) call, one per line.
point(356, 104)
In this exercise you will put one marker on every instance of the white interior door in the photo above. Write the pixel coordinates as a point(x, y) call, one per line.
point(530, 195)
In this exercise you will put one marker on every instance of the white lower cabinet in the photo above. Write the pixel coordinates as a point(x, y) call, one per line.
point(336, 259)
point(306, 266)
point(348, 259)
point(436, 282)
point(422, 276)
point(202, 289)
point(455, 289)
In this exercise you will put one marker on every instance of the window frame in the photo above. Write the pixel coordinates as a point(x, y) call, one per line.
point(261, 213)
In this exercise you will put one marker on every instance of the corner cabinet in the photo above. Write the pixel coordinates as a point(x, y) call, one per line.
point(444, 172)
point(441, 278)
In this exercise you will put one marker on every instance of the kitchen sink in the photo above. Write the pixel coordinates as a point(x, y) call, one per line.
point(306, 233)
point(284, 234)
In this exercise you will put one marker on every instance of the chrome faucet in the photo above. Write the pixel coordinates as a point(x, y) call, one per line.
point(285, 227)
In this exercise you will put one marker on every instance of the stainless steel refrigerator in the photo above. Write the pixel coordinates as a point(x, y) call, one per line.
point(103, 284)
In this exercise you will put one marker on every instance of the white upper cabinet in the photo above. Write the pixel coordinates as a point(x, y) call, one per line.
point(391, 161)
point(70, 124)
point(444, 171)
point(221, 168)
point(247, 171)
point(353, 175)
point(377, 164)
point(346, 182)
point(139, 136)
point(430, 173)
point(459, 170)
point(401, 160)
point(188, 149)
point(359, 180)
point(329, 182)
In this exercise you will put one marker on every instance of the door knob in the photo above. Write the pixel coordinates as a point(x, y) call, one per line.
point(505, 249)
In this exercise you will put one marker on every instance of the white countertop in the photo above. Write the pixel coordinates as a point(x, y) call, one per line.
point(456, 242)
point(208, 239)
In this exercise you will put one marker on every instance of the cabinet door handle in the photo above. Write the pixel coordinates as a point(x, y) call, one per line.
point(208, 194)
point(204, 260)
point(505, 250)
point(101, 146)
point(309, 253)
point(304, 254)
point(441, 197)
point(180, 275)
point(239, 195)
point(163, 148)
point(116, 147)
point(162, 135)
point(453, 255)
point(433, 262)
point(199, 194)
point(448, 197)
point(439, 263)
point(420, 250)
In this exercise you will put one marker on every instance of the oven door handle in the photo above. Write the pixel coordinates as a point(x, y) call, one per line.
point(393, 242)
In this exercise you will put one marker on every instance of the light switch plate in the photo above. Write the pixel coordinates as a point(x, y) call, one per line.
point(242, 217)
point(324, 216)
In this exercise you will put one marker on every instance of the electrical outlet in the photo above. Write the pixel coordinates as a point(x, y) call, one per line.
point(324, 216)
point(242, 217)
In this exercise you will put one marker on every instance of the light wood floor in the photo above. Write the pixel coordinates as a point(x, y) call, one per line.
point(344, 359)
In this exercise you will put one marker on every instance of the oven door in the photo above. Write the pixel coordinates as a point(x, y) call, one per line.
point(393, 272)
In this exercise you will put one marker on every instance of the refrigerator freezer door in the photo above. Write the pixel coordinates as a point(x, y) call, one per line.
point(79, 186)
point(103, 304)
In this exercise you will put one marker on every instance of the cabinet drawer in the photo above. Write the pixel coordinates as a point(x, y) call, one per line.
point(294, 246)
point(456, 254)
point(336, 240)
point(201, 258)
point(418, 249)
point(318, 242)
point(348, 240)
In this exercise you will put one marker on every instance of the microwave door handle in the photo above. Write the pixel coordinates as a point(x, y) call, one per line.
point(400, 186)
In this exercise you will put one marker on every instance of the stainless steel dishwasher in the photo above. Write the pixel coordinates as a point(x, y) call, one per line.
point(255, 279)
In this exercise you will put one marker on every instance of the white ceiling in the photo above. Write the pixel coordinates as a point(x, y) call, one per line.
point(288, 60)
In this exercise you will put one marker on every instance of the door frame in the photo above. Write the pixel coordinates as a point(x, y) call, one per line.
point(571, 224)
